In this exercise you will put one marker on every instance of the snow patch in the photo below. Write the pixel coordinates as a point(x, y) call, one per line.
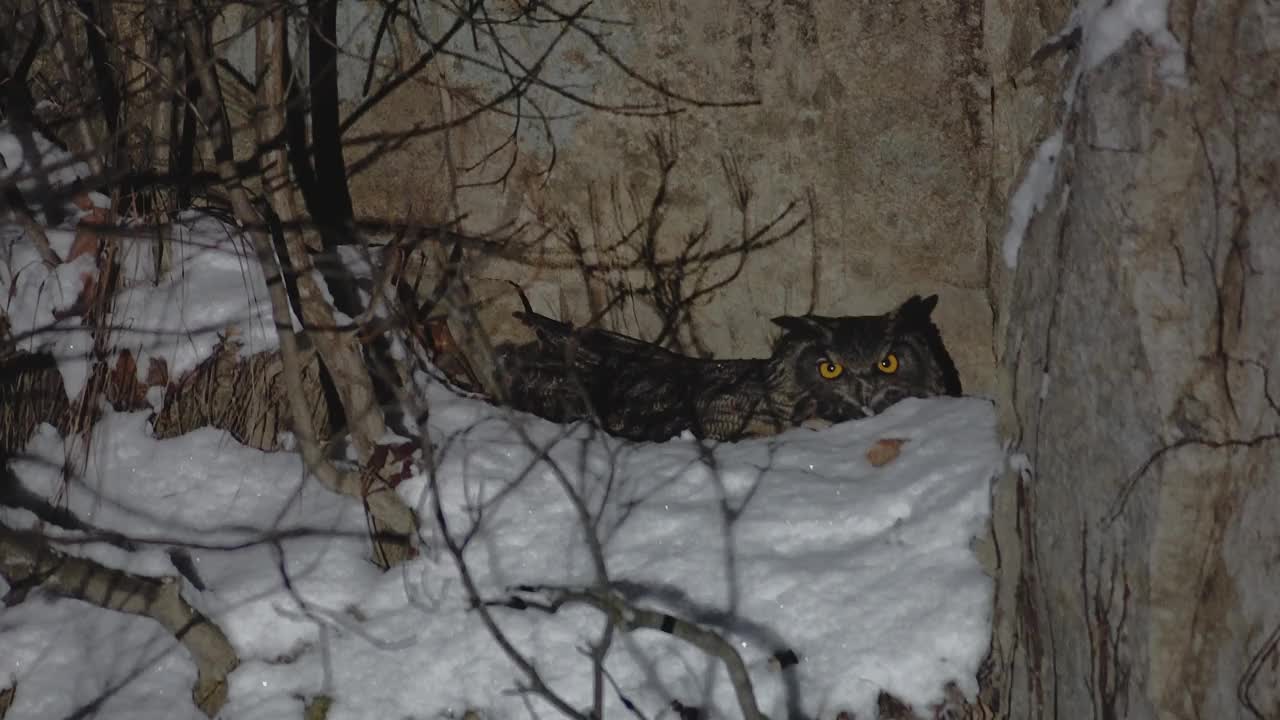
point(1105, 26)
point(215, 291)
point(1021, 464)
point(1030, 195)
point(39, 169)
point(1110, 23)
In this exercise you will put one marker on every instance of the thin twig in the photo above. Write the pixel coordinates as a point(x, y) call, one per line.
point(628, 617)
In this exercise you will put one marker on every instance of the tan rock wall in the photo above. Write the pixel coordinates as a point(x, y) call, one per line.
point(872, 118)
point(1137, 563)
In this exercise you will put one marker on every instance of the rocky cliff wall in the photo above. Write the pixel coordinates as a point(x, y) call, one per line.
point(870, 120)
point(1137, 546)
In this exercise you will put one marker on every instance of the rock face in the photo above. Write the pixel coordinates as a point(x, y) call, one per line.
point(1139, 552)
point(871, 117)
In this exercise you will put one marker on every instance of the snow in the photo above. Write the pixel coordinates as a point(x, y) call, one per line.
point(66, 654)
point(865, 572)
point(42, 171)
point(31, 292)
point(215, 291)
point(1105, 26)
point(1110, 24)
point(1030, 195)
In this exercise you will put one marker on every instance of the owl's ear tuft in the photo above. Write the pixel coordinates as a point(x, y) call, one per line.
point(798, 324)
point(916, 310)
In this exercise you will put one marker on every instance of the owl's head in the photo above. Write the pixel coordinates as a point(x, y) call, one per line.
point(852, 367)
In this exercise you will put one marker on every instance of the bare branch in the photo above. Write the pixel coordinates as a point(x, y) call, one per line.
point(627, 617)
point(383, 504)
point(27, 560)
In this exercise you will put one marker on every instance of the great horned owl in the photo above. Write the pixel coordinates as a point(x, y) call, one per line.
point(822, 368)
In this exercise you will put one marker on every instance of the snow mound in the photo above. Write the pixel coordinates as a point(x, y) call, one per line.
point(795, 542)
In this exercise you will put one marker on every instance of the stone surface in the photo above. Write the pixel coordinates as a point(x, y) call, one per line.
point(871, 118)
point(1138, 554)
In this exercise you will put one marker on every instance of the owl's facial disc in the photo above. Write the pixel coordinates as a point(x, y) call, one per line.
point(858, 384)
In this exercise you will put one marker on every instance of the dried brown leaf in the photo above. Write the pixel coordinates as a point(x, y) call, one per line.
point(885, 451)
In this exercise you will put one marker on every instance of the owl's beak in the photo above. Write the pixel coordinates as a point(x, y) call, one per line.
point(887, 398)
point(842, 409)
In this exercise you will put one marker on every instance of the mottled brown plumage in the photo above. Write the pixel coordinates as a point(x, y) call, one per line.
point(822, 368)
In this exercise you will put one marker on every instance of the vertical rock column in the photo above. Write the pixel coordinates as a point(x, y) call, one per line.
point(1139, 550)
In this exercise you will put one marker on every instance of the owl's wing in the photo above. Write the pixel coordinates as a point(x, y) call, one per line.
point(592, 347)
point(632, 388)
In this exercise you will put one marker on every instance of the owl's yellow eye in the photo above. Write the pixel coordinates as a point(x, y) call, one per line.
point(830, 370)
point(889, 365)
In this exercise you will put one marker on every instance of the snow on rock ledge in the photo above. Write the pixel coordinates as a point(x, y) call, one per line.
point(792, 542)
point(865, 572)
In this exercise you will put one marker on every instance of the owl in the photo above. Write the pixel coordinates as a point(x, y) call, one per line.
point(827, 369)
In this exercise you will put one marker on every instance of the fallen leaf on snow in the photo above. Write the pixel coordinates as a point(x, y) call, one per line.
point(884, 451)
